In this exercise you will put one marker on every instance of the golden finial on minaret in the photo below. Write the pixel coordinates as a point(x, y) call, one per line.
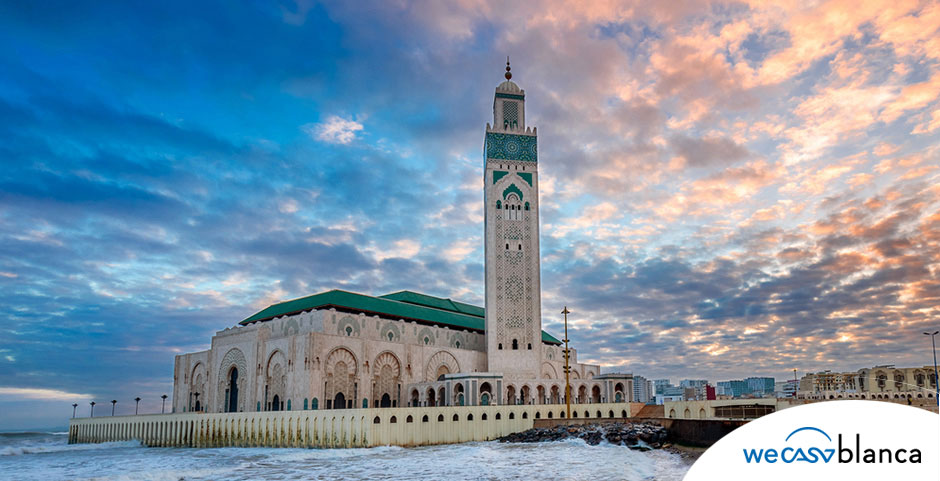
point(508, 73)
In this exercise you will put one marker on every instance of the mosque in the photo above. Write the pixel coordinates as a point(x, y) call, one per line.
point(345, 350)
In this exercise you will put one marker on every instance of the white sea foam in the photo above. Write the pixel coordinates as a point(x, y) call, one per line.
point(49, 458)
point(39, 448)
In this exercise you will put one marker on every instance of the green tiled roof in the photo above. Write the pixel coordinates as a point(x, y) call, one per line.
point(407, 305)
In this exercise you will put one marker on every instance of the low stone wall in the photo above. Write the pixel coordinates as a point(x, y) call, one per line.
point(696, 432)
point(338, 428)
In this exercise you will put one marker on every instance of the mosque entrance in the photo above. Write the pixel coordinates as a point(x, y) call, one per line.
point(386, 401)
point(231, 401)
point(339, 402)
point(276, 403)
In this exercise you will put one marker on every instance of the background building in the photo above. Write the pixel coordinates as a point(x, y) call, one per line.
point(878, 382)
point(643, 390)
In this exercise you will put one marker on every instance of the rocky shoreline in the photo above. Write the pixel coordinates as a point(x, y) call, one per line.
point(637, 436)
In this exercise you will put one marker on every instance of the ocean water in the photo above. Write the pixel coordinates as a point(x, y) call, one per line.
point(48, 457)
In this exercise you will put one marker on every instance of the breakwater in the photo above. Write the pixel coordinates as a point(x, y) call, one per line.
point(637, 436)
point(338, 428)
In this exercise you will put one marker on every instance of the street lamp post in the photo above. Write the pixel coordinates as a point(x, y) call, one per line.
point(92, 409)
point(936, 378)
point(567, 368)
point(113, 403)
point(163, 408)
point(137, 400)
point(74, 407)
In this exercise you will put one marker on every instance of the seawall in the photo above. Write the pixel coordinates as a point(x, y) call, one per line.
point(337, 428)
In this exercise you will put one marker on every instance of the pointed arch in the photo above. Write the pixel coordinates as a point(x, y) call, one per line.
point(442, 362)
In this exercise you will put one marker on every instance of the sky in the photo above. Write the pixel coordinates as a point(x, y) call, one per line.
point(727, 189)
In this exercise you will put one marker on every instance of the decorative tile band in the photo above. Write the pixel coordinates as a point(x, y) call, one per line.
point(511, 147)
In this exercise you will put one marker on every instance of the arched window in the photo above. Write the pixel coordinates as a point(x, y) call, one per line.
point(424, 419)
point(525, 415)
point(470, 417)
point(530, 346)
point(499, 205)
point(483, 417)
point(500, 346)
point(409, 419)
point(376, 420)
point(512, 415)
point(515, 345)
point(394, 420)
point(305, 404)
point(440, 418)
point(526, 206)
point(456, 418)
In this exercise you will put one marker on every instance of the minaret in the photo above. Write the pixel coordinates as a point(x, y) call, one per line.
point(511, 197)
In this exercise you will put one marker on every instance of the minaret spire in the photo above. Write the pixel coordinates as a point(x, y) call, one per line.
point(508, 73)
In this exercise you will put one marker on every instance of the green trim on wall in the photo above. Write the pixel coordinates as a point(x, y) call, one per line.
point(407, 305)
point(512, 188)
point(500, 95)
point(526, 176)
point(499, 174)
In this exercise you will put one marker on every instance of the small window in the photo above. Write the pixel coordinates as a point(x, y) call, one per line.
point(424, 419)
point(391, 336)
point(456, 418)
point(538, 415)
point(500, 346)
point(515, 345)
point(498, 205)
point(507, 247)
point(409, 419)
point(512, 415)
point(393, 420)
point(440, 418)
point(520, 246)
point(470, 417)
point(457, 344)
point(376, 420)
point(499, 416)
point(348, 330)
point(483, 417)
point(526, 206)
point(525, 415)
point(530, 346)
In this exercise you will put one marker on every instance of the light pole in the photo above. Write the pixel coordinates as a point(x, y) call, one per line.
point(74, 407)
point(92, 409)
point(113, 403)
point(137, 400)
point(567, 368)
point(936, 378)
point(163, 408)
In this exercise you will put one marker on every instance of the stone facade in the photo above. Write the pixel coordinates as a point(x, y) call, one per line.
point(341, 350)
point(879, 382)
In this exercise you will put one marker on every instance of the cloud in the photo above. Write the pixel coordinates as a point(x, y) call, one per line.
point(708, 152)
point(335, 130)
point(18, 393)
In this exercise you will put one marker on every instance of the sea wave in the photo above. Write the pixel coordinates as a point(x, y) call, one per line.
point(40, 448)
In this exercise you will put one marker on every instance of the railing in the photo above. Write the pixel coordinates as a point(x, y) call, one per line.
point(337, 428)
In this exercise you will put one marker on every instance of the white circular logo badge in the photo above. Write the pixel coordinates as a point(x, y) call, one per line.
point(857, 440)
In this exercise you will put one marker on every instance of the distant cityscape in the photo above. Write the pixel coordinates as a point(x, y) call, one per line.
point(878, 382)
